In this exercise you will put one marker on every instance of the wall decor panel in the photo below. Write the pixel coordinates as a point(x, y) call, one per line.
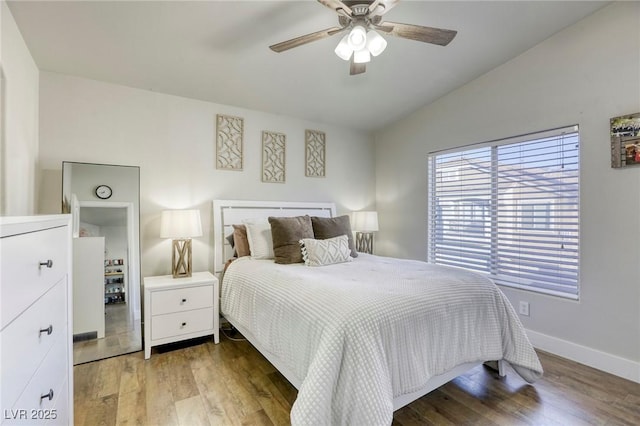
point(273, 157)
point(315, 150)
point(229, 149)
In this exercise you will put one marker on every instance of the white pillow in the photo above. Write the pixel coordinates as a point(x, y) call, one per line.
point(259, 236)
point(325, 252)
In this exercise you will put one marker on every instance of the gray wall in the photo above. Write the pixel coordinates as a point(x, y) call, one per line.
point(583, 75)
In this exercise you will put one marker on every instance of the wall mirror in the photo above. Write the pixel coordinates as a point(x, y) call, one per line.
point(104, 201)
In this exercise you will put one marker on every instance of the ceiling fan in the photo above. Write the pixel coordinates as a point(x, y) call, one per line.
point(363, 18)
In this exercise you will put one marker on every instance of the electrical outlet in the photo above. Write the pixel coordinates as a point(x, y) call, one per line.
point(524, 308)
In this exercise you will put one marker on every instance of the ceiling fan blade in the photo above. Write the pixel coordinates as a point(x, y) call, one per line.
point(337, 6)
point(308, 38)
point(355, 69)
point(380, 7)
point(431, 35)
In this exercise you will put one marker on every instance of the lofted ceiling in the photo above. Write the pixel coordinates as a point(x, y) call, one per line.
point(218, 51)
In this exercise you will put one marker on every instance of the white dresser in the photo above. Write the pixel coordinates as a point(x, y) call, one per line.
point(36, 374)
point(180, 308)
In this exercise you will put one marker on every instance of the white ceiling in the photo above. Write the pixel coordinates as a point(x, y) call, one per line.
point(218, 51)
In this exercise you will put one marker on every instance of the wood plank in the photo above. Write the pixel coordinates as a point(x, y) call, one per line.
point(101, 411)
point(132, 409)
point(84, 379)
point(159, 402)
point(108, 377)
point(183, 384)
point(191, 412)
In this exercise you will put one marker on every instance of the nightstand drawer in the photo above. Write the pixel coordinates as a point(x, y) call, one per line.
point(181, 323)
point(181, 299)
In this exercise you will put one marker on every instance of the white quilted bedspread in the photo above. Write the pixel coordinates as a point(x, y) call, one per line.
point(358, 334)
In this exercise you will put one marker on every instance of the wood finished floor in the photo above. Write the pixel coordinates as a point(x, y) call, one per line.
point(122, 335)
point(232, 383)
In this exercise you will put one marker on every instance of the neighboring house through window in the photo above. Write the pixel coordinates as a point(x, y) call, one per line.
point(510, 209)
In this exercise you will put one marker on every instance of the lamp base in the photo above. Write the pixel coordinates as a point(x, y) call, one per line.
point(364, 242)
point(181, 258)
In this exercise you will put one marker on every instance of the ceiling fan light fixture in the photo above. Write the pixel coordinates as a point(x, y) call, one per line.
point(376, 43)
point(361, 56)
point(343, 50)
point(357, 38)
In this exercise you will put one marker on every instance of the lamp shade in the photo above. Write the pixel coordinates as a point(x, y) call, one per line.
point(361, 56)
point(343, 50)
point(357, 37)
point(180, 224)
point(364, 221)
point(375, 43)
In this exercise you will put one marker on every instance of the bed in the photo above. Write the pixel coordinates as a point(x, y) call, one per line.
point(363, 338)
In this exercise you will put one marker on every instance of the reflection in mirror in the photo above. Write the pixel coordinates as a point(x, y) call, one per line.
point(105, 203)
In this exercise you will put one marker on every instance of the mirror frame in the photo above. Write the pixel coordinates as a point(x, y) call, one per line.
point(70, 204)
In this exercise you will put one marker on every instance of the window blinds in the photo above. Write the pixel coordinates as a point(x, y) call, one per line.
point(510, 209)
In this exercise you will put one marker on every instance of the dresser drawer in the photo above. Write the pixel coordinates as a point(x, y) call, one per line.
point(50, 376)
point(23, 278)
point(59, 415)
point(181, 299)
point(181, 323)
point(24, 346)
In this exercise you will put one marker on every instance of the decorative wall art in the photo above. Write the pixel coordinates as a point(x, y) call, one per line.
point(314, 152)
point(273, 157)
point(229, 133)
point(625, 140)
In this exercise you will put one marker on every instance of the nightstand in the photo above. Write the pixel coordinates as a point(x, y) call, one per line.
point(180, 308)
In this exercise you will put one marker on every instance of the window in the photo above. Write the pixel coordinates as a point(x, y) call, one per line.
point(511, 212)
point(535, 216)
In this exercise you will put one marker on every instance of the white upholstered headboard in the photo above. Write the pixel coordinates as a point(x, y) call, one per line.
point(231, 212)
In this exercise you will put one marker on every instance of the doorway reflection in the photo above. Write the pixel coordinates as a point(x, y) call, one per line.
point(104, 201)
point(104, 230)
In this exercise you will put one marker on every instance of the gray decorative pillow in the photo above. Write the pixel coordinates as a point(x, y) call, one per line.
point(325, 252)
point(285, 233)
point(329, 227)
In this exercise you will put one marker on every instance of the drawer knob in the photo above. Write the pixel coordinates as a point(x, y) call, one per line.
point(48, 263)
point(47, 330)
point(47, 395)
point(184, 324)
point(184, 300)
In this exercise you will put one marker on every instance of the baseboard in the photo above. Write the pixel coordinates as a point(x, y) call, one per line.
point(81, 337)
point(621, 367)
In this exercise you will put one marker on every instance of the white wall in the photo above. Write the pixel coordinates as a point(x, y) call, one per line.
point(88, 285)
point(18, 121)
point(172, 140)
point(583, 75)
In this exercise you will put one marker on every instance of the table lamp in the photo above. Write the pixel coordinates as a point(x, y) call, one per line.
point(181, 226)
point(365, 223)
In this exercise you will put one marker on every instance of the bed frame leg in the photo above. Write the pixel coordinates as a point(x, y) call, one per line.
point(498, 366)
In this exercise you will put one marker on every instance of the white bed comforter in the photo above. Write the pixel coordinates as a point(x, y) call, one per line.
point(358, 334)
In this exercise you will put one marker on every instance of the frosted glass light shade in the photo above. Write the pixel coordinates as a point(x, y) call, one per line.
point(361, 56)
point(343, 50)
point(375, 43)
point(357, 38)
point(364, 221)
point(180, 224)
